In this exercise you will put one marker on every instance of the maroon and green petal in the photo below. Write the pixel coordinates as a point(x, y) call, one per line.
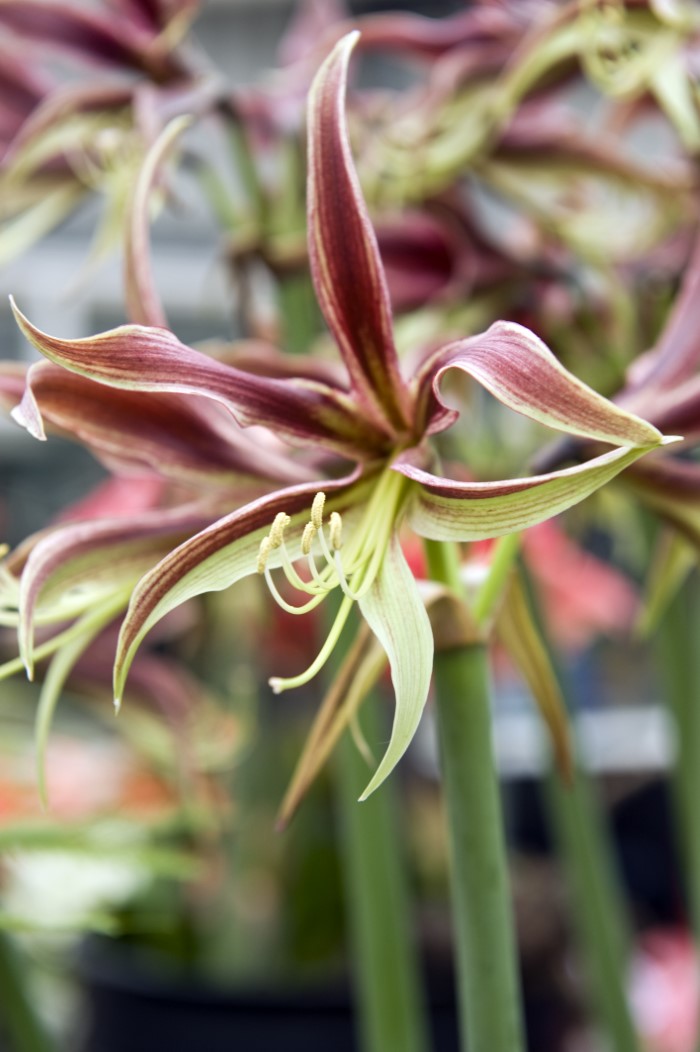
point(72, 566)
point(177, 437)
point(137, 358)
point(513, 364)
point(444, 510)
point(345, 263)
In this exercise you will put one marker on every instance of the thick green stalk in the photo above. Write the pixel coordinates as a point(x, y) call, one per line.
point(389, 993)
point(487, 974)
point(19, 1019)
point(599, 911)
point(680, 672)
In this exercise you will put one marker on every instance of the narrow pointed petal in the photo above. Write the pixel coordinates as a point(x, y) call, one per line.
point(522, 373)
point(516, 627)
point(138, 358)
point(89, 559)
point(214, 559)
point(60, 668)
point(443, 510)
point(394, 610)
point(178, 437)
point(142, 300)
point(357, 675)
point(345, 263)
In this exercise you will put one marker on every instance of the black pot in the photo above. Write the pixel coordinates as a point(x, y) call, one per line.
point(131, 1004)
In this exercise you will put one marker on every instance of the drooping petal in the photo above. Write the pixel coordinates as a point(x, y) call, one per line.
point(86, 560)
point(516, 627)
point(179, 438)
point(358, 673)
point(345, 264)
point(444, 510)
point(137, 358)
point(394, 610)
point(216, 558)
point(522, 373)
point(142, 299)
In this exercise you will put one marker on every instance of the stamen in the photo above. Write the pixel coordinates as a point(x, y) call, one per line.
point(335, 531)
point(263, 553)
point(310, 604)
point(278, 685)
point(277, 529)
point(307, 538)
point(317, 510)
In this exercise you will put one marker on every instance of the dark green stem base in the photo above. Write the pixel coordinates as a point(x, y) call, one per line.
point(389, 993)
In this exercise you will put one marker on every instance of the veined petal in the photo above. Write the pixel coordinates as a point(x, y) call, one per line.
point(101, 555)
point(176, 436)
point(215, 559)
point(137, 358)
point(394, 610)
point(444, 510)
point(87, 33)
point(344, 257)
point(522, 373)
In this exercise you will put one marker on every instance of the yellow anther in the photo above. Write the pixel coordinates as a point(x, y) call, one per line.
point(277, 529)
point(317, 510)
point(307, 538)
point(263, 552)
point(336, 531)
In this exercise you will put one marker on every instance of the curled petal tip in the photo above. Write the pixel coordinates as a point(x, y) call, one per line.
point(29, 669)
point(668, 440)
point(275, 684)
point(117, 706)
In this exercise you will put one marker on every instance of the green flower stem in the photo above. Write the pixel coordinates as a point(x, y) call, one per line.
point(599, 912)
point(389, 991)
point(679, 662)
point(24, 1028)
point(488, 988)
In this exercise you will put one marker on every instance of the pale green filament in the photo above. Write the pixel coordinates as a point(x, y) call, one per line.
point(352, 567)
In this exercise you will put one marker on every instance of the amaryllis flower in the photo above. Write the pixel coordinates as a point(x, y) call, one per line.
point(340, 535)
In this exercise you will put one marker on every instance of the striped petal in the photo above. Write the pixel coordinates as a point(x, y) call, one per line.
point(73, 565)
point(522, 373)
point(344, 257)
point(394, 610)
point(132, 431)
point(137, 358)
point(444, 510)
